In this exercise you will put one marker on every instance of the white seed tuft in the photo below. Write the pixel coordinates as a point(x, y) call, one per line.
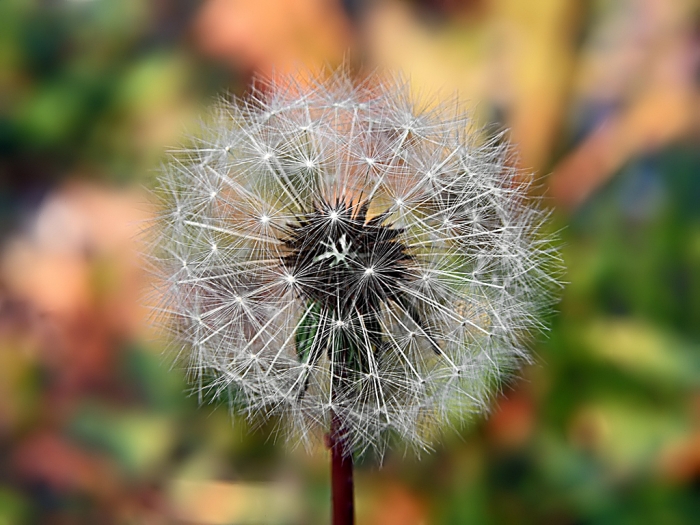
point(475, 274)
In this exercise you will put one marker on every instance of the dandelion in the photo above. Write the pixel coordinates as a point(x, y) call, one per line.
point(347, 262)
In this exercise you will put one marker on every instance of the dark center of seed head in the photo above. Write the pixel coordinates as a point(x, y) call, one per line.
point(344, 262)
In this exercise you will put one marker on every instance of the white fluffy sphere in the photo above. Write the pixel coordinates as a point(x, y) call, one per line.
point(332, 249)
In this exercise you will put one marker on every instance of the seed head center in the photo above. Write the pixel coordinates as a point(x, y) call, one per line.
point(336, 252)
point(333, 252)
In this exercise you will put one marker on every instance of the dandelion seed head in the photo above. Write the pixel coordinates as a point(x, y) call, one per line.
point(398, 282)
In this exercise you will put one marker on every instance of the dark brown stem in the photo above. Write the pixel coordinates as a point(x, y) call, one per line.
point(342, 486)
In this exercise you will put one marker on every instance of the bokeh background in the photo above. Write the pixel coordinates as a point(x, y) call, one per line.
point(602, 100)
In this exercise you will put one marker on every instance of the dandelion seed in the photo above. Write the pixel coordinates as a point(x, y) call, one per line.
point(402, 271)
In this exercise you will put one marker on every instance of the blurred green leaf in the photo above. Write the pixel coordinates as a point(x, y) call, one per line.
point(14, 508)
point(140, 441)
point(638, 348)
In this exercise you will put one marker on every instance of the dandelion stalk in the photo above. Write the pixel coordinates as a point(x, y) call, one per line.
point(350, 264)
point(342, 484)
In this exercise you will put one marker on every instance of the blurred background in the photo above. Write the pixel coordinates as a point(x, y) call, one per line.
point(602, 100)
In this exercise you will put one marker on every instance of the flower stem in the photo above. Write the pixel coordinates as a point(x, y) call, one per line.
point(342, 485)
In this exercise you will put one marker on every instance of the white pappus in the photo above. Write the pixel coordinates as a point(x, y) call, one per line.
point(329, 247)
